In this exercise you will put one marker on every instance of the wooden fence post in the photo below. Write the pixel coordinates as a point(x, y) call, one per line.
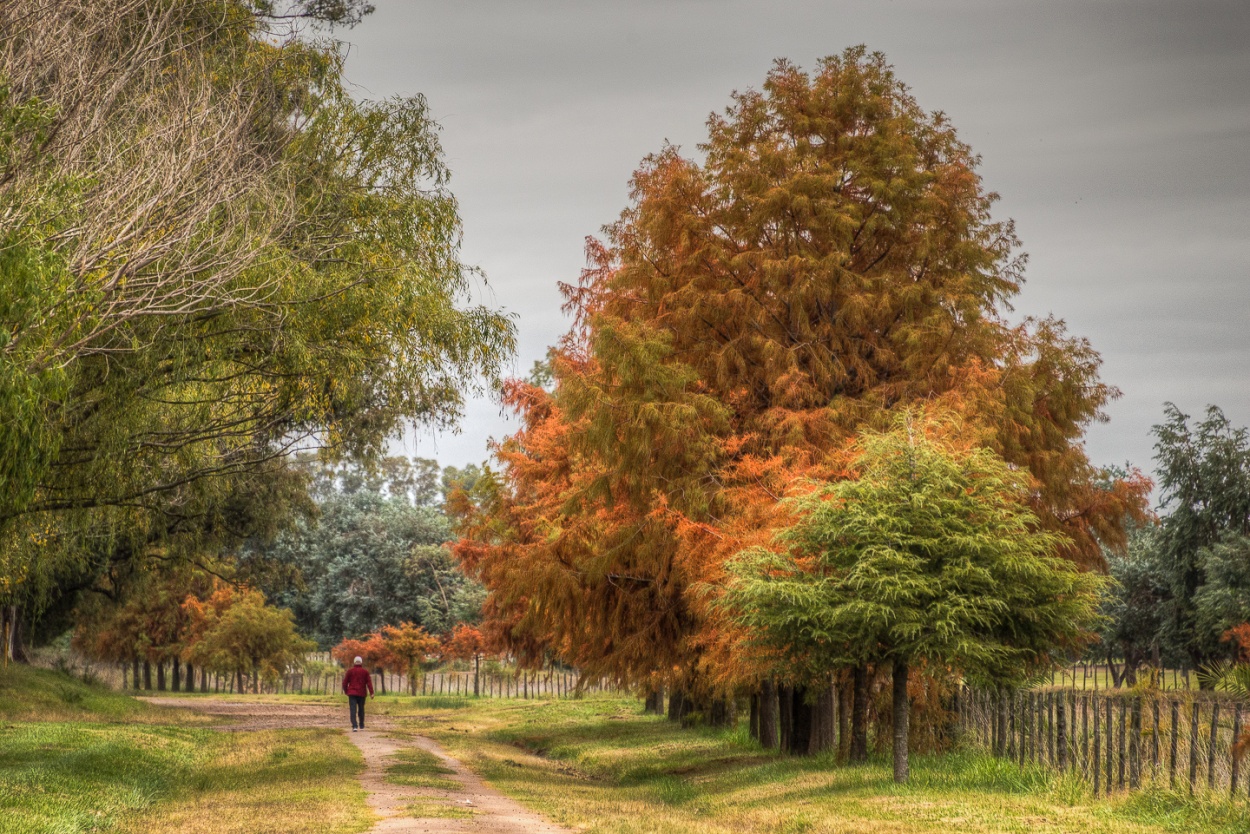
point(1110, 733)
point(1085, 732)
point(1061, 733)
point(1176, 720)
point(1097, 763)
point(1004, 701)
point(1232, 779)
point(1037, 753)
point(1012, 699)
point(1074, 744)
point(1154, 738)
point(1124, 709)
point(1048, 719)
point(1134, 768)
point(1212, 743)
point(993, 716)
point(1193, 749)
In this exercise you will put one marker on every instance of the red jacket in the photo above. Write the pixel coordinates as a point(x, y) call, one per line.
point(357, 681)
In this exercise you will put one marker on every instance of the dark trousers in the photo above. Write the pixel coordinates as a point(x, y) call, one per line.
point(356, 703)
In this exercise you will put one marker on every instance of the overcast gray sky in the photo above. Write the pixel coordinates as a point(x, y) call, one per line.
point(1117, 133)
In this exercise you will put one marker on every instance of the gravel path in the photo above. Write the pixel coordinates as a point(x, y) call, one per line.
point(492, 812)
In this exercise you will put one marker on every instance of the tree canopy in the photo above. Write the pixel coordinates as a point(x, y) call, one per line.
point(211, 254)
point(927, 552)
point(831, 260)
point(373, 554)
point(1204, 478)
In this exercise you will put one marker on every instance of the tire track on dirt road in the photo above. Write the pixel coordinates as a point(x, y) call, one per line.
point(491, 811)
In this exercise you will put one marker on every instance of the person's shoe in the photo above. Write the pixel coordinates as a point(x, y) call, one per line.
point(353, 729)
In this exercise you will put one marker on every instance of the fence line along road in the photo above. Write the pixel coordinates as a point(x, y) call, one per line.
point(1116, 740)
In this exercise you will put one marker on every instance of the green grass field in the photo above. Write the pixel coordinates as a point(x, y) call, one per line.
point(80, 759)
point(105, 762)
point(601, 766)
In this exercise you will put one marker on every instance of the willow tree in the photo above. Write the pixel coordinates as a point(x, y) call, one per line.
point(927, 552)
point(831, 258)
point(211, 254)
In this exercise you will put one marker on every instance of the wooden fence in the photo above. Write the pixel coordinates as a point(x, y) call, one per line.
point(1116, 740)
point(519, 684)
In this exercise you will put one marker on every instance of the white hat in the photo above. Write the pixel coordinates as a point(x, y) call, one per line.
point(358, 661)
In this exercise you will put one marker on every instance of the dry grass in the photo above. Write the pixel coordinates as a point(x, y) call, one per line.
point(601, 766)
point(275, 781)
point(105, 762)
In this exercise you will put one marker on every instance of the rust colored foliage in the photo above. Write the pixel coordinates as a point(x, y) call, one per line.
point(465, 642)
point(832, 259)
point(1239, 636)
point(372, 650)
point(405, 646)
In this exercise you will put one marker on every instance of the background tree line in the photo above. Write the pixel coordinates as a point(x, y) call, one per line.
point(366, 566)
point(1182, 586)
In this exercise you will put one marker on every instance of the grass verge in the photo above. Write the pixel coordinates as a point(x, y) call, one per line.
point(417, 768)
point(109, 764)
point(601, 766)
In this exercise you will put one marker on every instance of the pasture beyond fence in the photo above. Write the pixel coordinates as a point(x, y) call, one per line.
point(1115, 740)
point(506, 683)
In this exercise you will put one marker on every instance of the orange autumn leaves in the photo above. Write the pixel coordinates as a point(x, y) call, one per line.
point(831, 260)
point(403, 648)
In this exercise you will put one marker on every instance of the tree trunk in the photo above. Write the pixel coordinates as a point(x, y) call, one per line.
point(134, 672)
point(6, 631)
point(677, 704)
point(785, 716)
point(1117, 677)
point(160, 676)
point(13, 634)
point(845, 696)
point(859, 714)
point(768, 715)
point(147, 674)
point(721, 712)
point(800, 722)
point(823, 721)
point(655, 701)
point(753, 726)
point(901, 716)
point(177, 675)
point(203, 679)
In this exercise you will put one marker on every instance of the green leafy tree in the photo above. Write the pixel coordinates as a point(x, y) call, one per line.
point(1222, 602)
point(1135, 606)
point(247, 637)
point(1204, 476)
point(929, 552)
point(211, 254)
point(371, 560)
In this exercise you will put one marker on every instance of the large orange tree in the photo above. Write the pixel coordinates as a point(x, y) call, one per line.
point(832, 258)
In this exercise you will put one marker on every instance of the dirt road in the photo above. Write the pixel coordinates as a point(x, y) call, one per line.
point(480, 808)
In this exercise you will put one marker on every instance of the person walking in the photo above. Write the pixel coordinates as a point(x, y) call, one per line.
point(356, 683)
